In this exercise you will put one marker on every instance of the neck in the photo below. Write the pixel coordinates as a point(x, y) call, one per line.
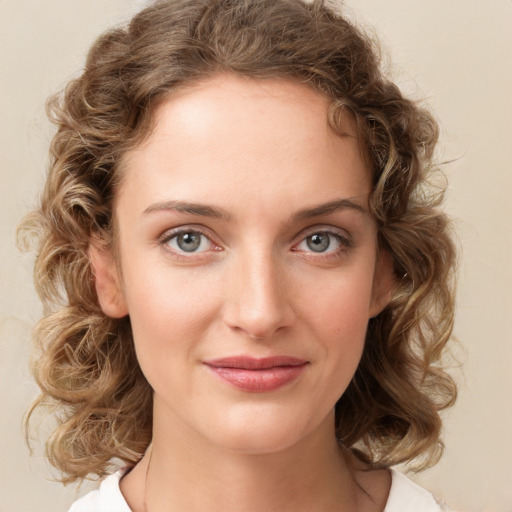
point(184, 472)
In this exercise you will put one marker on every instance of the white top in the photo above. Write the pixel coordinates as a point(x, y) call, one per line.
point(404, 496)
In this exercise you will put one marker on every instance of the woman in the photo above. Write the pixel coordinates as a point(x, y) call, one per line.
point(248, 281)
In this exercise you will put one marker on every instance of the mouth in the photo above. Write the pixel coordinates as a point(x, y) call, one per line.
point(257, 375)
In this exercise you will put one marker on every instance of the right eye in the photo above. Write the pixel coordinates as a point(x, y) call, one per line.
point(189, 241)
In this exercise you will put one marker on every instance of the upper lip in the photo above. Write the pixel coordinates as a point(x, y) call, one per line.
point(255, 363)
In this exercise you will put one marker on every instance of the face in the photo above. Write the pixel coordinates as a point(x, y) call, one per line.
point(248, 262)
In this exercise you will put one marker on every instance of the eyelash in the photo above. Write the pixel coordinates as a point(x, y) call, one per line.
point(345, 242)
point(166, 238)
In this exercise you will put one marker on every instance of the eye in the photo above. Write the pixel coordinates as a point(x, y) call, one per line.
point(189, 241)
point(323, 242)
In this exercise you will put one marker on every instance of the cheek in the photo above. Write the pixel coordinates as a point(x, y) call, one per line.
point(339, 316)
point(339, 301)
point(169, 313)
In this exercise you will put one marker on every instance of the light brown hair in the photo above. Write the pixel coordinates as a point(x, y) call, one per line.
point(86, 365)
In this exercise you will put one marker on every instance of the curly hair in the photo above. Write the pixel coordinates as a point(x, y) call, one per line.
point(86, 365)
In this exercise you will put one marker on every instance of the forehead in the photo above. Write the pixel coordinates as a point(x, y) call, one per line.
point(231, 135)
point(264, 100)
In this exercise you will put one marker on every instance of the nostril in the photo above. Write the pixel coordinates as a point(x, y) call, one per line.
point(259, 313)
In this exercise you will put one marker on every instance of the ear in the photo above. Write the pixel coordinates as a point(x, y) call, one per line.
point(107, 281)
point(383, 283)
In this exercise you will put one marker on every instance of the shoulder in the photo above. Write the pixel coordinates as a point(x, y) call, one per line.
point(405, 496)
point(108, 498)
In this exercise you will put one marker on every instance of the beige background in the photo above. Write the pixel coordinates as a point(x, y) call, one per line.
point(456, 53)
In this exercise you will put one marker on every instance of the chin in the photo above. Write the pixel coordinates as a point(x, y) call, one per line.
point(260, 433)
point(258, 443)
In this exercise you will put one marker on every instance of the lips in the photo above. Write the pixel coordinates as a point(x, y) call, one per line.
point(257, 375)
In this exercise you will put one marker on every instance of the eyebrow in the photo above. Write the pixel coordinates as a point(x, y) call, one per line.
point(203, 210)
point(327, 208)
point(215, 212)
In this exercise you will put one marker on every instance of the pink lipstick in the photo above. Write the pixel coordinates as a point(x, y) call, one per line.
point(257, 375)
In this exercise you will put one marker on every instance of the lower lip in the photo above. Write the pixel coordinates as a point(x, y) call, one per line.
point(259, 381)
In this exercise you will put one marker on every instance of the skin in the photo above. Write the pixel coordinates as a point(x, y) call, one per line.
point(261, 157)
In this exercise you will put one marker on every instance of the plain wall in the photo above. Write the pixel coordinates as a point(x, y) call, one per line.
point(458, 55)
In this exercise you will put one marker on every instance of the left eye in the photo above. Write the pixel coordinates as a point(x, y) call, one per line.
point(321, 242)
point(189, 241)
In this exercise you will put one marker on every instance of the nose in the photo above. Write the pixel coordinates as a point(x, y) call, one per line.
point(258, 300)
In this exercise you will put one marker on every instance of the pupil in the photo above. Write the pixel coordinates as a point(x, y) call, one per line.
point(189, 242)
point(318, 242)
